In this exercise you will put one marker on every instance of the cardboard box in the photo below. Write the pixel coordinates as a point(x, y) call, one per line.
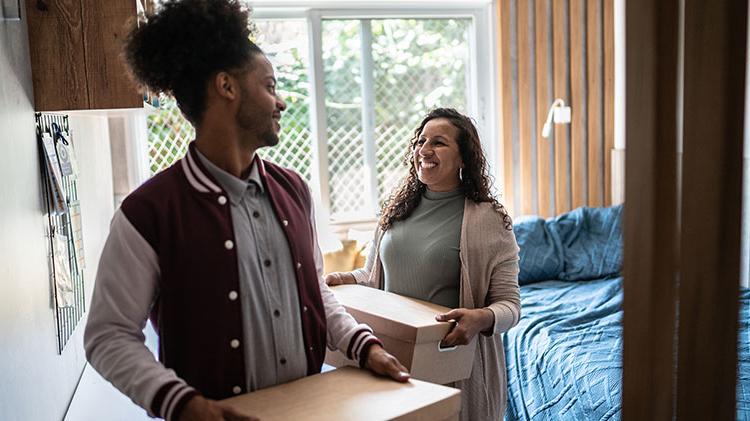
point(351, 394)
point(408, 330)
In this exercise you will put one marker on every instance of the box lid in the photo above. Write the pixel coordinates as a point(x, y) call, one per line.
point(404, 318)
point(350, 394)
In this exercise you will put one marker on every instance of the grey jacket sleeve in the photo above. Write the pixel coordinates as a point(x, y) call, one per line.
point(125, 290)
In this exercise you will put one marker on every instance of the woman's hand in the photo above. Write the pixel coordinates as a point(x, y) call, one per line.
point(340, 278)
point(199, 408)
point(469, 322)
point(381, 362)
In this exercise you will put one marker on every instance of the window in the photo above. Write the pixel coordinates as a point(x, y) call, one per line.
point(356, 84)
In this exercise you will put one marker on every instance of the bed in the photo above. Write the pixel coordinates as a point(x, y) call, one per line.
point(564, 358)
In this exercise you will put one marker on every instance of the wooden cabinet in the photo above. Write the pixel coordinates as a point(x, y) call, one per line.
point(75, 48)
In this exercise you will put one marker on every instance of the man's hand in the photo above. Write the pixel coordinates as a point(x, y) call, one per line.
point(469, 322)
point(201, 409)
point(381, 362)
point(340, 278)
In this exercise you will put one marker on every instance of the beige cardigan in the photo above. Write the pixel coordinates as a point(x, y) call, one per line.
point(489, 278)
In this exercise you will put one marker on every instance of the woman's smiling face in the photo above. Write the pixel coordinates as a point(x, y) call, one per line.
point(437, 157)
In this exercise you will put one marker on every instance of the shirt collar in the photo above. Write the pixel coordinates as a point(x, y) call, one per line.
point(234, 186)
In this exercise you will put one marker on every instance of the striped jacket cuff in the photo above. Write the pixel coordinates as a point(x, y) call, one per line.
point(171, 399)
point(356, 344)
point(366, 350)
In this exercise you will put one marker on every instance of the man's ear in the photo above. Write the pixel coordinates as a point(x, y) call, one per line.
point(226, 86)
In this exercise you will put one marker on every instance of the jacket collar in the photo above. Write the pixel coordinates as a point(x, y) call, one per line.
point(202, 180)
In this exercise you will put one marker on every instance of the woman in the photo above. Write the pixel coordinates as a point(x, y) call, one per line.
point(443, 238)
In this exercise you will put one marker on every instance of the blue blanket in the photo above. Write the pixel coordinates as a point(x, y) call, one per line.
point(579, 245)
point(564, 359)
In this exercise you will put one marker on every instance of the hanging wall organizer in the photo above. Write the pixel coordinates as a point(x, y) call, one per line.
point(63, 228)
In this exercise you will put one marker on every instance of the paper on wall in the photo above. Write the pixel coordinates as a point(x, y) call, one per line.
point(56, 193)
point(63, 279)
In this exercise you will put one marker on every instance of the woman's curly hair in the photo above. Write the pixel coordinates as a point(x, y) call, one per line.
point(186, 42)
point(475, 182)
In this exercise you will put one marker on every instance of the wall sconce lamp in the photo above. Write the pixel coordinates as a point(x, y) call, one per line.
point(557, 112)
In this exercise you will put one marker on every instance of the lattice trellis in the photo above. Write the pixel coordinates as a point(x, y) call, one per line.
point(341, 65)
point(169, 134)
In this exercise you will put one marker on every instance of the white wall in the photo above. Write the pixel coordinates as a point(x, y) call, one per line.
point(35, 382)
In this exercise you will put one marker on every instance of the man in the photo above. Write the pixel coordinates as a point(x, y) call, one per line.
point(219, 250)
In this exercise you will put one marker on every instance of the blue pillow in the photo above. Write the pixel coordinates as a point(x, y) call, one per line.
point(591, 240)
point(540, 253)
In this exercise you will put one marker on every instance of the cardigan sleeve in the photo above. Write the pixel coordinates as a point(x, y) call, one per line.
point(124, 292)
point(503, 295)
point(362, 275)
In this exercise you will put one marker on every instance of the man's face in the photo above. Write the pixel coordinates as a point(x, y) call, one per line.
point(260, 108)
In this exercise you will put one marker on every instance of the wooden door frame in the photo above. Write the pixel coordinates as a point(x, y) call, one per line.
point(650, 214)
point(682, 213)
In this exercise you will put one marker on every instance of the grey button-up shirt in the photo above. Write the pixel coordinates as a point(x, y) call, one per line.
point(273, 343)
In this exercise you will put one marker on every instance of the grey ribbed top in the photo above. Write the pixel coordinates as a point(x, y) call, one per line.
point(420, 254)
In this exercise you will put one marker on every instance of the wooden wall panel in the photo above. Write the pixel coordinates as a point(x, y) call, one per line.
point(609, 95)
point(560, 89)
point(525, 104)
point(564, 48)
point(578, 81)
point(594, 88)
point(507, 105)
point(542, 53)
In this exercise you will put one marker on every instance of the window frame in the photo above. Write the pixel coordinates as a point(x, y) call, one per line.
point(482, 71)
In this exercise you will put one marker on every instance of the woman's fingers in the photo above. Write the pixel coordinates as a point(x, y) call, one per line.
point(454, 314)
point(457, 336)
point(333, 278)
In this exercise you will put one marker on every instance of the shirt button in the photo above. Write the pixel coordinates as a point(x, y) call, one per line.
point(304, 309)
point(299, 265)
point(282, 361)
point(228, 244)
point(276, 313)
point(311, 349)
point(256, 214)
point(266, 263)
point(232, 295)
point(236, 390)
point(285, 222)
point(234, 343)
point(222, 200)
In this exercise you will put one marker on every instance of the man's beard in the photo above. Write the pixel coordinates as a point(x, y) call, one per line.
point(270, 138)
point(245, 119)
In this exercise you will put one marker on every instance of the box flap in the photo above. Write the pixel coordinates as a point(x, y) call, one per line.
point(404, 318)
